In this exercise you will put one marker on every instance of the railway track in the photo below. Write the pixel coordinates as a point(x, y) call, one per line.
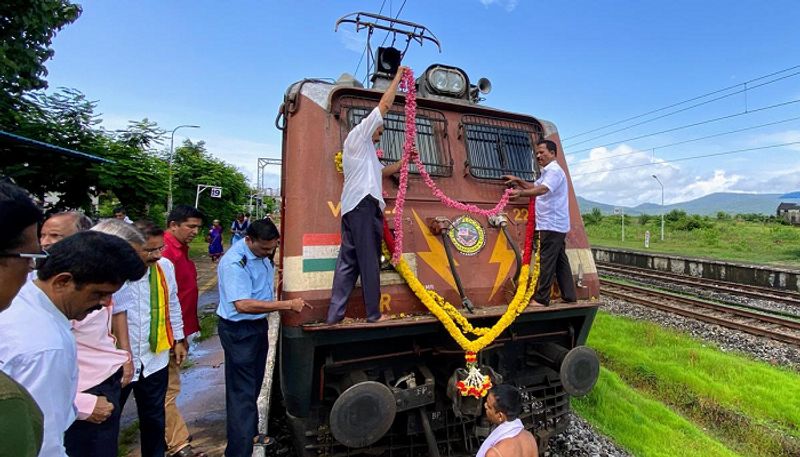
point(761, 293)
point(755, 323)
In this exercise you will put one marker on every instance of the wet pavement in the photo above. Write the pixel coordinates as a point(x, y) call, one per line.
point(202, 398)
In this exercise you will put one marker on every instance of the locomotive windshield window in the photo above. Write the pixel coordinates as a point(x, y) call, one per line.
point(394, 127)
point(496, 150)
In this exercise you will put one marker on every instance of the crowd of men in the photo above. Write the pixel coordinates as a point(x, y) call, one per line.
point(88, 316)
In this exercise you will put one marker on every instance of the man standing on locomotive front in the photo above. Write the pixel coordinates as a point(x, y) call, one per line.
point(362, 212)
point(552, 222)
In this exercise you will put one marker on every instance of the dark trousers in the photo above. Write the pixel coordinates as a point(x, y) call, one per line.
point(359, 255)
point(245, 344)
point(84, 438)
point(554, 264)
point(150, 394)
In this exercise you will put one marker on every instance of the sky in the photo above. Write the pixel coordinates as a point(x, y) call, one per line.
point(580, 64)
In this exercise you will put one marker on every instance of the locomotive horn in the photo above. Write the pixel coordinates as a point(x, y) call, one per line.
point(484, 85)
point(578, 368)
point(363, 414)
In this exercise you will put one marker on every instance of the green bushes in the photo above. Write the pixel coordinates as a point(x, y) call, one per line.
point(593, 218)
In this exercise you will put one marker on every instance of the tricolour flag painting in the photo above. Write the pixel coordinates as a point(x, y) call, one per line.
point(320, 251)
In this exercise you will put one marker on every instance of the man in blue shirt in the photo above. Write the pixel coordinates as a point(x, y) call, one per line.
point(246, 295)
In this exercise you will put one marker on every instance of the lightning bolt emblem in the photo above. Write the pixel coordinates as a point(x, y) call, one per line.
point(435, 257)
point(504, 256)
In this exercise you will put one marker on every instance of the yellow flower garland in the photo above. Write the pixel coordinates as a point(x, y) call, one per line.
point(451, 318)
point(337, 161)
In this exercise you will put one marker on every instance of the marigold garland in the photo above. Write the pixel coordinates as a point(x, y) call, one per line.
point(337, 161)
point(521, 300)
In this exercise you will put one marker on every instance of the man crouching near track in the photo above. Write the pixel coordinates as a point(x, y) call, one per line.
point(509, 438)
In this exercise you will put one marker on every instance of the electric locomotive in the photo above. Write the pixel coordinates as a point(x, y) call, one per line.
point(359, 388)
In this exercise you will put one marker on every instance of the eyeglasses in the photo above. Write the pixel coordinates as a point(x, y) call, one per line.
point(159, 249)
point(26, 255)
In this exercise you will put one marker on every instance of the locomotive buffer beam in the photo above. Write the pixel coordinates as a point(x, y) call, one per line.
point(578, 367)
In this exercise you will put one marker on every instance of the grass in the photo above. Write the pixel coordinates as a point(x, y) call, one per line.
point(750, 406)
point(752, 242)
point(641, 425)
point(198, 247)
point(208, 326)
point(127, 436)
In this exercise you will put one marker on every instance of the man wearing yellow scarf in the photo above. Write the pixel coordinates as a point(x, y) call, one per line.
point(155, 326)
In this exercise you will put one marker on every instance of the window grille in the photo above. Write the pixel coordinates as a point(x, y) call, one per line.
point(496, 147)
point(431, 130)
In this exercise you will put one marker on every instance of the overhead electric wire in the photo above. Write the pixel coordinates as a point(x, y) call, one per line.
point(682, 159)
point(692, 140)
point(398, 15)
point(681, 103)
point(684, 109)
point(707, 121)
point(367, 46)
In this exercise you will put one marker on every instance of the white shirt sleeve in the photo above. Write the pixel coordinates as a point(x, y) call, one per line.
point(552, 179)
point(36, 372)
point(117, 307)
point(175, 314)
point(364, 130)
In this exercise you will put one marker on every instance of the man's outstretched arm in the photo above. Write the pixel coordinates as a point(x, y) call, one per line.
point(388, 97)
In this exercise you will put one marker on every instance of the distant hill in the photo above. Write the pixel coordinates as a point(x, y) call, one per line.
point(708, 205)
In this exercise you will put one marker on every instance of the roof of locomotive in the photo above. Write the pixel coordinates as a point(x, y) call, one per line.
point(323, 93)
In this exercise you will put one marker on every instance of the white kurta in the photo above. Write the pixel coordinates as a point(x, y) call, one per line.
point(37, 350)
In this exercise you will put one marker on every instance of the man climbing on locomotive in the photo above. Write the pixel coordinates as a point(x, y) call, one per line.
point(362, 212)
point(552, 222)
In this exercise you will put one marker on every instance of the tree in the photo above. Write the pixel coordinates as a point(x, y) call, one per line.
point(193, 165)
point(27, 28)
point(65, 118)
point(137, 176)
point(595, 217)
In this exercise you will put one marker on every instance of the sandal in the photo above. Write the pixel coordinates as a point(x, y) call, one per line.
point(187, 451)
point(263, 440)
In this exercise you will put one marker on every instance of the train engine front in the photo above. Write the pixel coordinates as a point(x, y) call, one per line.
point(359, 388)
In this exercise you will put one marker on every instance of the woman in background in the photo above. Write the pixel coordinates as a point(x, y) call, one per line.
point(214, 239)
point(239, 228)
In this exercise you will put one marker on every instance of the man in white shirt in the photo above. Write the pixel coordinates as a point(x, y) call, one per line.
point(362, 212)
point(155, 293)
point(37, 348)
point(552, 222)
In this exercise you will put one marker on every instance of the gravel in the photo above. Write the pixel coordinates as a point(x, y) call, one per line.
point(728, 340)
point(581, 440)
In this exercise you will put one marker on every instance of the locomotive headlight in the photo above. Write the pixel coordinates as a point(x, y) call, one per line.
point(439, 80)
point(446, 80)
point(455, 82)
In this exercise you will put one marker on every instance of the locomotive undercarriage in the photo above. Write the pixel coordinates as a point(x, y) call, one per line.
point(395, 396)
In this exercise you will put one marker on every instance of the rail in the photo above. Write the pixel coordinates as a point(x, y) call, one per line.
point(758, 292)
point(770, 326)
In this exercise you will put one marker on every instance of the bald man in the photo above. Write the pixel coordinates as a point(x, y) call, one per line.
point(62, 225)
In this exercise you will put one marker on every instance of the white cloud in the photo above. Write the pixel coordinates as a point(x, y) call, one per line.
point(352, 41)
point(244, 155)
point(604, 176)
point(718, 182)
point(508, 5)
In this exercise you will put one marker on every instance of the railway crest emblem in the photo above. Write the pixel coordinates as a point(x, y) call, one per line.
point(467, 235)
